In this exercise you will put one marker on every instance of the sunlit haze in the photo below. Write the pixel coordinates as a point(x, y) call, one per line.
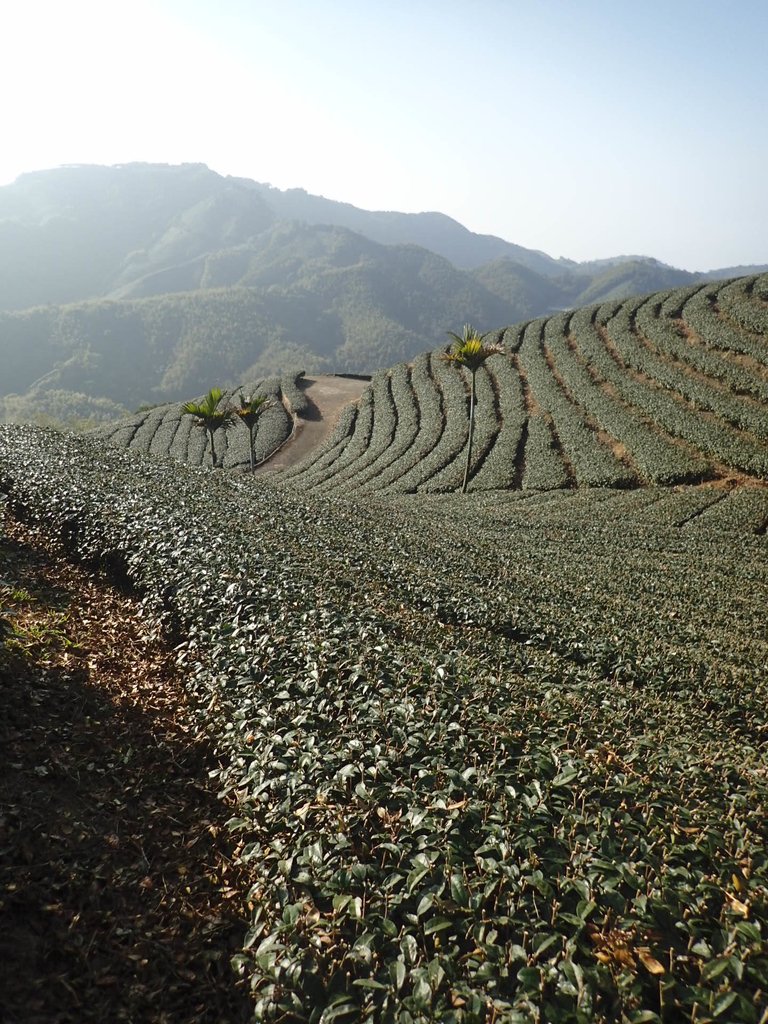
point(584, 129)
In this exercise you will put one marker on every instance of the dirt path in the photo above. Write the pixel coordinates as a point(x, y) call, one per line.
point(118, 897)
point(327, 396)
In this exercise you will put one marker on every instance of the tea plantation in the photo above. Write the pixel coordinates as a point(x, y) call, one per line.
point(166, 430)
point(500, 757)
point(494, 757)
point(663, 389)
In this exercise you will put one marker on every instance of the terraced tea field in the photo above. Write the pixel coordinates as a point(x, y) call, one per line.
point(665, 389)
point(494, 757)
point(166, 430)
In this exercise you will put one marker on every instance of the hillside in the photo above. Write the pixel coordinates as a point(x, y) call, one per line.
point(262, 281)
point(491, 757)
point(167, 430)
point(664, 389)
point(85, 231)
point(343, 304)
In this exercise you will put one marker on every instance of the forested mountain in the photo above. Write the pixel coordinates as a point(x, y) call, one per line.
point(145, 283)
point(345, 304)
point(658, 390)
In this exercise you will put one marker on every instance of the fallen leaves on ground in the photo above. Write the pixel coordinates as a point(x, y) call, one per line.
point(118, 897)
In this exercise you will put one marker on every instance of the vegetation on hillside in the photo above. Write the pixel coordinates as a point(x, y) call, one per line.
point(663, 389)
point(344, 311)
point(249, 412)
point(170, 429)
point(530, 790)
point(143, 272)
point(470, 352)
point(487, 758)
point(211, 414)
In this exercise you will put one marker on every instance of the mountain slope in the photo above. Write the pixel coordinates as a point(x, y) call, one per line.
point(664, 389)
point(148, 283)
point(84, 231)
point(317, 298)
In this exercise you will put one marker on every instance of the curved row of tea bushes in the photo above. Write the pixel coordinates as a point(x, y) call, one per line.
point(500, 467)
point(711, 511)
point(348, 448)
point(405, 474)
point(593, 462)
point(450, 477)
point(732, 410)
point(544, 468)
point(700, 312)
point(675, 509)
point(487, 417)
point(329, 449)
point(636, 352)
point(167, 430)
point(745, 302)
point(445, 456)
point(384, 425)
point(623, 394)
point(483, 766)
point(294, 394)
point(715, 439)
point(587, 367)
point(662, 326)
point(512, 337)
point(667, 461)
point(406, 428)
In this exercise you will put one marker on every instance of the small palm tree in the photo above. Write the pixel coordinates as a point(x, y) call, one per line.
point(470, 351)
point(211, 415)
point(249, 411)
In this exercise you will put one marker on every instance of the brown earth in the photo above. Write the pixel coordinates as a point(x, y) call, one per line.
point(119, 899)
point(327, 396)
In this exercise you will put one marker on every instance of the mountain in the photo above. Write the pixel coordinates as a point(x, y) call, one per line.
point(85, 231)
point(434, 231)
point(145, 282)
point(312, 297)
point(664, 389)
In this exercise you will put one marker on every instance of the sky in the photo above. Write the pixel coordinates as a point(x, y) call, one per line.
point(583, 128)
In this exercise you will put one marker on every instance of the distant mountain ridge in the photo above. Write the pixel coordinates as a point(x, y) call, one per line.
point(89, 231)
point(145, 282)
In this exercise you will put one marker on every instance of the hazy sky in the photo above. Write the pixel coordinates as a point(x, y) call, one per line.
point(585, 128)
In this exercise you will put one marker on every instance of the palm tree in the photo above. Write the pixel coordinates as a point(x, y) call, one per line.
point(249, 411)
point(211, 415)
point(470, 351)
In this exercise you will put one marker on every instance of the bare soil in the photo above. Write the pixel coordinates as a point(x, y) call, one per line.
point(119, 900)
point(327, 395)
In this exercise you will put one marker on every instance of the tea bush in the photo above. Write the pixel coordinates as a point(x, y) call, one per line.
point(495, 757)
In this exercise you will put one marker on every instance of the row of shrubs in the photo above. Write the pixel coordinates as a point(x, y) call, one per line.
point(480, 772)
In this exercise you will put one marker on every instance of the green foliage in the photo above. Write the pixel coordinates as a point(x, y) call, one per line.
point(469, 349)
point(250, 409)
point(470, 352)
point(65, 410)
point(618, 395)
point(150, 281)
point(168, 430)
point(211, 415)
point(249, 412)
point(209, 408)
point(532, 791)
